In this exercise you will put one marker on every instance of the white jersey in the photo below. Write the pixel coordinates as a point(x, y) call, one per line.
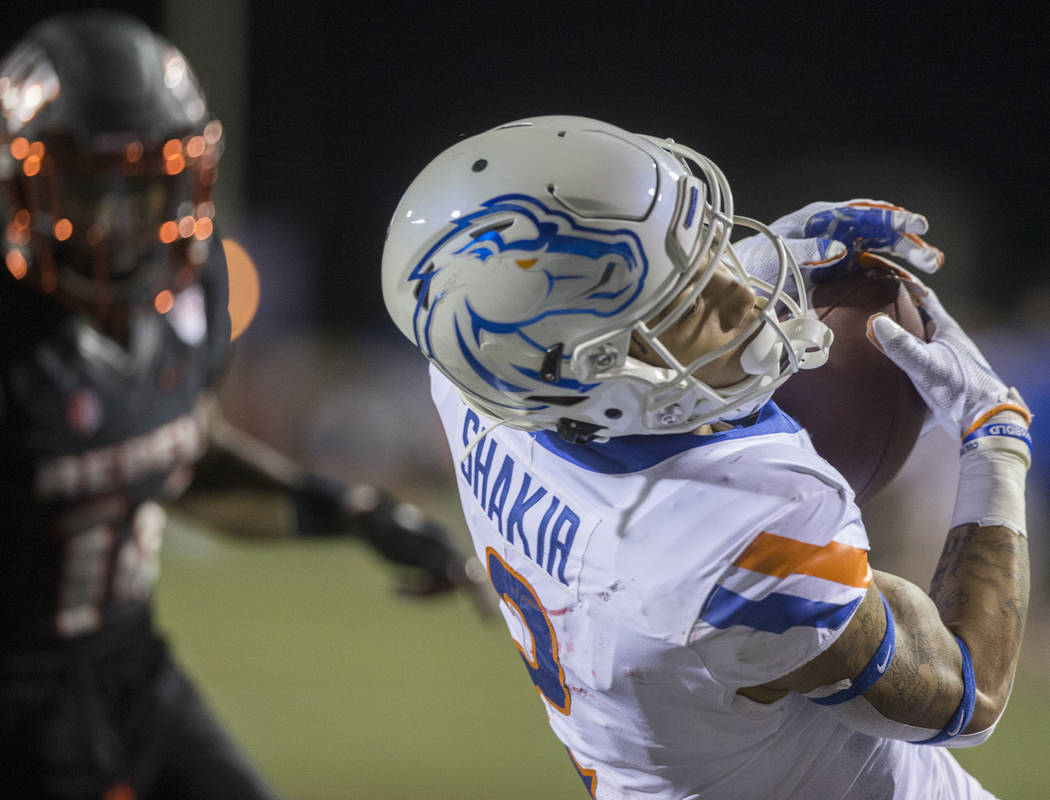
point(646, 579)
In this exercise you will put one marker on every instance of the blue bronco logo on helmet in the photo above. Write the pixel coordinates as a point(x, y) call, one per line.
point(513, 265)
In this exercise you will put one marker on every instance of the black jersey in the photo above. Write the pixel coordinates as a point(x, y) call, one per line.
point(92, 433)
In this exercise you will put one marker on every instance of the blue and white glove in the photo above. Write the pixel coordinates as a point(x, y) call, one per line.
point(824, 236)
point(969, 400)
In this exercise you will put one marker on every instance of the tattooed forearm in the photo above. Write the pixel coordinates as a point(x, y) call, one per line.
point(917, 689)
point(979, 592)
point(954, 546)
point(988, 562)
point(980, 589)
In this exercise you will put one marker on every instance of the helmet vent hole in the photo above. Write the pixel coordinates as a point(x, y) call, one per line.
point(613, 413)
point(561, 134)
point(493, 228)
point(420, 285)
point(551, 188)
point(557, 400)
point(479, 165)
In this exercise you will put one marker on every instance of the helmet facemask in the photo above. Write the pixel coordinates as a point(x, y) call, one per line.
point(107, 171)
point(114, 228)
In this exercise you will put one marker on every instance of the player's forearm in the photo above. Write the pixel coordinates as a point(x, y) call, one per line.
point(981, 582)
point(247, 488)
point(980, 594)
point(923, 684)
point(237, 460)
point(981, 589)
point(245, 514)
point(244, 488)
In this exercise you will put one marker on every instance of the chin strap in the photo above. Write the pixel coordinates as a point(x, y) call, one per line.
point(485, 432)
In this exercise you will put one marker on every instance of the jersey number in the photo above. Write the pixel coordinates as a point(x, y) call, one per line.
point(541, 653)
point(541, 657)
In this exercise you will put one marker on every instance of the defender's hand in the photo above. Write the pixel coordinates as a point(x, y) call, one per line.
point(824, 236)
point(397, 531)
point(403, 535)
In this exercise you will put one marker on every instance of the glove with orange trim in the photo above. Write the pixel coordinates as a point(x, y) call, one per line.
point(824, 236)
point(968, 399)
point(873, 226)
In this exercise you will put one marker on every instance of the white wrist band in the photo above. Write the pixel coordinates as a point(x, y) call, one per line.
point(992, 467)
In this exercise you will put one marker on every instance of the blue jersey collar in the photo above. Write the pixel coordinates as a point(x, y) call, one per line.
point(625, 454)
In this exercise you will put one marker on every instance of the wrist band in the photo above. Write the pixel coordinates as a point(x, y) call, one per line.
point(1006, 435)
point(994, 458)
point(961, 718)
point(876, 668)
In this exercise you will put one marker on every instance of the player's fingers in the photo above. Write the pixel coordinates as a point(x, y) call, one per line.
point(897, 344)
point(815, 253)
point(897, 217)
point(485, 600)
point(913, 249)
point(873, 224)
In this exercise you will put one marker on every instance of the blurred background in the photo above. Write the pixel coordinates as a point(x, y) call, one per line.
point(336, 686)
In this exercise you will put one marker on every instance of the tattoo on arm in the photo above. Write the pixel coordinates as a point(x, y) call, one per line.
point(917, 688)
point(981, 590)
point(990, 561)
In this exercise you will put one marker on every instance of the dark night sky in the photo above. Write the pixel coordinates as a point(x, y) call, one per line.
point(343, 111)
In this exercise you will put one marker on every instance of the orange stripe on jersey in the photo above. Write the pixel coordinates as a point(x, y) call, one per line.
point(779, 556)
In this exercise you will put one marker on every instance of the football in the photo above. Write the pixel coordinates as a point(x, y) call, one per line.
point(862, 412)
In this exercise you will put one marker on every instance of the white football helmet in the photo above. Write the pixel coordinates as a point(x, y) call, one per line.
point(522, 260)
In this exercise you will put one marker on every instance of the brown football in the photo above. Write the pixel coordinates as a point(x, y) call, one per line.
point(861, 411)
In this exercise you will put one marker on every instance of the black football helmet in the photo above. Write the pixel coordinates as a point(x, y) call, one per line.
point(108, 154)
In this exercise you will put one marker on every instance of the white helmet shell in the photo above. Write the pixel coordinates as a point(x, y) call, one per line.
point(521, 261)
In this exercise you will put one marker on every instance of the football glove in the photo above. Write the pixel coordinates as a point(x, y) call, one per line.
point(397, 531)
point(951, 374)
point(823, 238)
point(967, 399)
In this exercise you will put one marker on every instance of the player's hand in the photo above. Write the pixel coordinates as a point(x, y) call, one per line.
point(823, 237)
point(950, 373)
point(397, 531)
point(403, 535)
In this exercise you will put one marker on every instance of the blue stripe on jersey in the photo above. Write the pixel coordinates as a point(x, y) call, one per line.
point(774, 613)
point(625, 454)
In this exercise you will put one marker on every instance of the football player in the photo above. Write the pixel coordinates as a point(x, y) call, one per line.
point(114, 327)
point(687, 580)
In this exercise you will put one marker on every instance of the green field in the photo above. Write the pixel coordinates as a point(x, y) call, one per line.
point(341, 689)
